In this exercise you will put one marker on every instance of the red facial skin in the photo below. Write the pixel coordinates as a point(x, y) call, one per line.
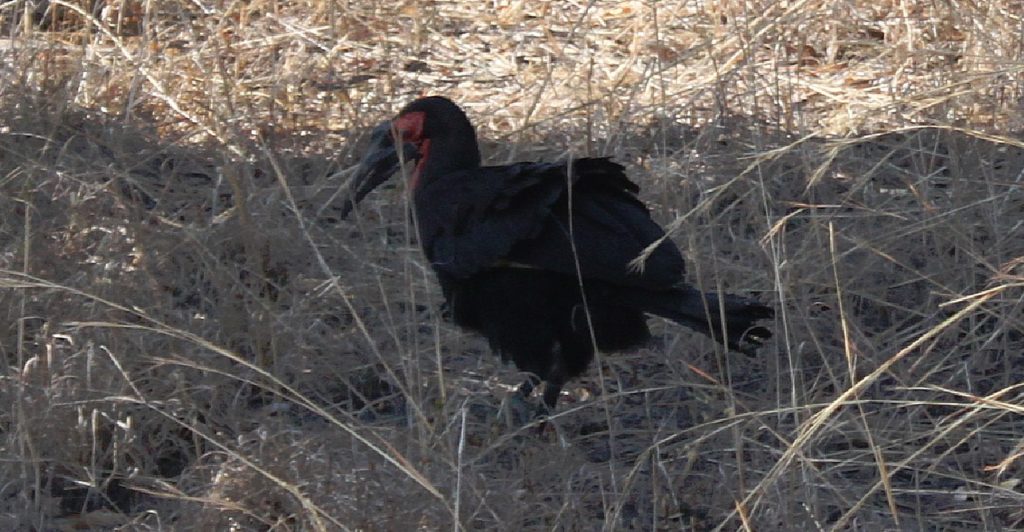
point(410, 126)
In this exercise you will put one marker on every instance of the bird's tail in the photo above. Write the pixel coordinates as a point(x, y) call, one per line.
point(706, 313)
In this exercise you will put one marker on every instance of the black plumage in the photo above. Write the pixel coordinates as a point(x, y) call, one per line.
point(518, 249)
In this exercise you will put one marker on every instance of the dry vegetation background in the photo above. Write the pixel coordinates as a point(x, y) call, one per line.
point(193, 341)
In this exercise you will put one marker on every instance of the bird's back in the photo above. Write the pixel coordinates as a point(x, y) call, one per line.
point(525, 213)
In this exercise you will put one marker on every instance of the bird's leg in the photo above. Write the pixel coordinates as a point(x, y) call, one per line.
point(553, 382)
point(531, 382)
point(552, 389)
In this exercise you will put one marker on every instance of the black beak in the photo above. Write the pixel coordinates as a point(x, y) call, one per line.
point(380, 162)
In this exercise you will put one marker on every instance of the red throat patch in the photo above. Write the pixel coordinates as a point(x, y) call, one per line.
point(424, 148)
point(410, 127)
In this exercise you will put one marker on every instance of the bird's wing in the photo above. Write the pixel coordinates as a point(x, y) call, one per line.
point(470, 220)
point(519, 215)
point(610, 227)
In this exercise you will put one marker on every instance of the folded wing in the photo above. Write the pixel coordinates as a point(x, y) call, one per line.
point(523, 215)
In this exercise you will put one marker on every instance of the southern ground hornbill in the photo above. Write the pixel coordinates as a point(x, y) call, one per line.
point(540, 257)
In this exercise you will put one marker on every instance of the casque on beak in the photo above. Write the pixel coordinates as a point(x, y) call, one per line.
point(380, 162)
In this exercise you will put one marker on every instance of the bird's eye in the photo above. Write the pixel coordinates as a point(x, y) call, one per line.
point(410, 126)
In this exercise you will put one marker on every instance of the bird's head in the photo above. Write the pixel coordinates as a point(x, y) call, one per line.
point(432, 131)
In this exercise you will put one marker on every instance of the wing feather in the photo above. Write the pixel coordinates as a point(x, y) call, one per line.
point(521, 213)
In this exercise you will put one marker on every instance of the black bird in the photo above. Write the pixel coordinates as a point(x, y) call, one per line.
point(539, 258)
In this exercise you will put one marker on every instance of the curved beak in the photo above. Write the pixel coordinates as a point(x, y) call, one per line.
point(380, 162)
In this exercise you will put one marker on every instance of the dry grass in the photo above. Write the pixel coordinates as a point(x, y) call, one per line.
point(192, 341)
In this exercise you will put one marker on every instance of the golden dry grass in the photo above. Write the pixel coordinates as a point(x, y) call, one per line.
point(193, 341)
